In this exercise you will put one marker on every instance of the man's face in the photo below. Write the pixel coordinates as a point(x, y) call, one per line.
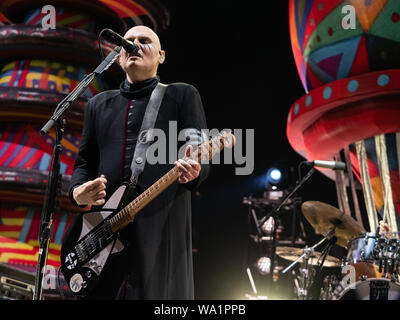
point(145, 62)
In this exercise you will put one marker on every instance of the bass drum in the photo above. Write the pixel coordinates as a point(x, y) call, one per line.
point(371, 289)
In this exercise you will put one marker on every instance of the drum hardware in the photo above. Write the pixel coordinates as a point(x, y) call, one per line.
point(307, 252)
point(386, 253)
point(268, 232)
point(292, 253)
point(306, 271)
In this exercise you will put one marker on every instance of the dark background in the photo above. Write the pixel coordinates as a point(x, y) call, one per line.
point(238, 55)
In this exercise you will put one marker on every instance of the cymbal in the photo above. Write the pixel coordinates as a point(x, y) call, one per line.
point(292, 254)
point(324, 217)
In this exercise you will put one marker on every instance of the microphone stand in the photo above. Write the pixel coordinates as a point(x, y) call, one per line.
point(276, 209)
point(54, 182)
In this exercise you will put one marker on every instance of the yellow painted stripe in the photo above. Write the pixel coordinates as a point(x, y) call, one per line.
point(8, 66)
point(10, 234)
point(13, 221)
point(34, 76)
point(15, 245)
point(38, 63)
point(35, 243)
point(5, 79)
point(30, 245)
point(5, 257)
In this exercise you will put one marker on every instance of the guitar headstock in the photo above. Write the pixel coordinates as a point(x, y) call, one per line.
point(208, 149)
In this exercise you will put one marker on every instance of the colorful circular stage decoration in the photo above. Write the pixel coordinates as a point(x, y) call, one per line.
point(38, 67)
point(347, 56)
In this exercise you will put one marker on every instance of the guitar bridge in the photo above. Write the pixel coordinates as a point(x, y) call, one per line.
point(80, 252)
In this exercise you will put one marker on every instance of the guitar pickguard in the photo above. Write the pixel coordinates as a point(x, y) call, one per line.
point(91, 220)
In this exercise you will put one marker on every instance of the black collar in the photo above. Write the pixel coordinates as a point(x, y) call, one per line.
point(138, 89)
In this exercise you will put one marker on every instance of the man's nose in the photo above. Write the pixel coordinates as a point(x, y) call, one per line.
point(137, 42)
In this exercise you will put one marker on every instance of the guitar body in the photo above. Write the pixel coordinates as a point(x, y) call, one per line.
point(87, 246)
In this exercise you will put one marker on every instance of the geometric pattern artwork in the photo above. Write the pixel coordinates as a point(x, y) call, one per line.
point(329, 67)
point(324, 51)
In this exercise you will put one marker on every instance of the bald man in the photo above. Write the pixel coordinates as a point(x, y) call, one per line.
point(157, 263)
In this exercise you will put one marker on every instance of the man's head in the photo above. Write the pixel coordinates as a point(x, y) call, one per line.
point(143, 64)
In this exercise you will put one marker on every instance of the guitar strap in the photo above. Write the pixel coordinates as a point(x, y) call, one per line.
point(145, 133)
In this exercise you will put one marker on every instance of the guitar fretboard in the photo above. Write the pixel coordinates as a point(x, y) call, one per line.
point(205, 151)
point(126, 215)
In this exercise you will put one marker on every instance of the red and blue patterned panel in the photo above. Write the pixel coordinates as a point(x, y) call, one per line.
point(19, 231)
point(22, 146)
point(64, 18)
point(373, 168)
point(47, 75)
point(132, 13)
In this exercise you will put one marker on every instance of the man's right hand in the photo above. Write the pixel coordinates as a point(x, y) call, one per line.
point(91, 192)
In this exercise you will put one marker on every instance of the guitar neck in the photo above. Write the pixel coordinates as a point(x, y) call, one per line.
point(205, 151)
point(126, 215)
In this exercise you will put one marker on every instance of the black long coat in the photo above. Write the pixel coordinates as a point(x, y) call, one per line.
point(158, 262)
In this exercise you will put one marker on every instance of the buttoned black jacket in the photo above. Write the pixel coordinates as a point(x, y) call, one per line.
point(158, 261)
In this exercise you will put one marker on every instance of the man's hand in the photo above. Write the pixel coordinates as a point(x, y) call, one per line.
point(91, 192)
point(384, 229)
point(188, 169)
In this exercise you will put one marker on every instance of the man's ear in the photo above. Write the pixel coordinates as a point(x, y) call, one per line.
point(161, 57)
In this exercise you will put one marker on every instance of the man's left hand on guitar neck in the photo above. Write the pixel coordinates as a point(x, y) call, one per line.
point(188, 169)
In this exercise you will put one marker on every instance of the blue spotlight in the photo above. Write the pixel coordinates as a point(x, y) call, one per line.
point(274, 176)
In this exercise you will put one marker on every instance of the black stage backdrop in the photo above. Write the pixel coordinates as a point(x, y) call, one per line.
point(238, 55)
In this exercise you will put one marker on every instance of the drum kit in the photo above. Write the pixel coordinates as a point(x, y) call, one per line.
point(369, 269)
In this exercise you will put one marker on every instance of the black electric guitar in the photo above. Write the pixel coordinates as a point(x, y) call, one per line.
point(92, 238)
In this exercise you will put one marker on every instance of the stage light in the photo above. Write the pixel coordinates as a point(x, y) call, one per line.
point(274, 176)
point(263, 265)
point(268, 226)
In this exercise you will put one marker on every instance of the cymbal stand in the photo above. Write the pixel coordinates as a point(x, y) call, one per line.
point(306, 272)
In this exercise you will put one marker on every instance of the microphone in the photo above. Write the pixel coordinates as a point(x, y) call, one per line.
point(129, 46)
point(334, 165)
